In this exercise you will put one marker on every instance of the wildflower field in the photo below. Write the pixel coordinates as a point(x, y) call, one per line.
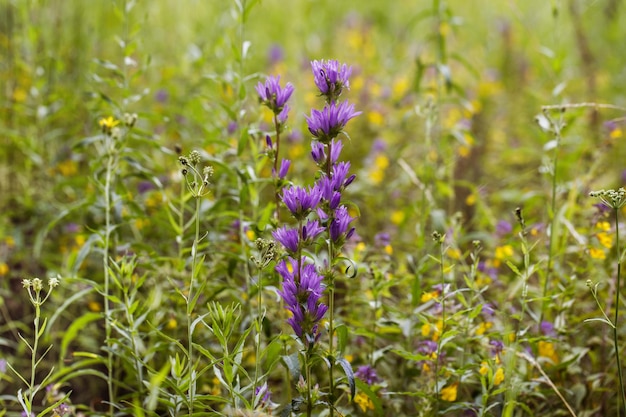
point(312, 208)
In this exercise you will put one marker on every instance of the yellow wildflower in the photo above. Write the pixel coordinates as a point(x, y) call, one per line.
point(449, 393)
point(596, 253)
point(363, 401)
point(68, 168)
point(427, 296)
point(172, 323)
point(616, 133)
point(375, 118)
point(377, 176)
point(4, 269)
point(381, 161)
point(454, 253)
point(605, 239)
point(250, 235)
point(484, 368)
point(94, 306)
point(388, 250)
point(604, 226)
point(108, 123)
point(498, 377)
point(470, 200)
point(397, 217)
point(547, 350)
point(483, 327)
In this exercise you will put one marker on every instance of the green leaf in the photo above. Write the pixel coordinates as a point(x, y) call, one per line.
point(78, 325)
point(155, 383)
point(292, 363)
point(347, 369)
point(342, 337)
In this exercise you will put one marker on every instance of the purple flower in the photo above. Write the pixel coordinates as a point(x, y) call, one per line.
point(547, 328)
point(488, 310)
point(317, 152)
point(340, 171)
point(288, 238)
point(311, 230)
point(367, 374)
point(331, 77)
point(284, 168)
point(161, 96)
point(301, 293)
point(301, 201)
point(232, 127)
point(335, 150)
point(274, 96)
point(339, 225)
point(496, 347)
point(275, 54)
point(503, 228)
point(329, 193)
point(427, 347)
point(382, 239)
point(328, 123)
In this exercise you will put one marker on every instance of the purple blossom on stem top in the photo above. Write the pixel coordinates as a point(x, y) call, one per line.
point(326, 124)
point(274, 96)
point(301, 293)
point(331, 77)
point(301, 201)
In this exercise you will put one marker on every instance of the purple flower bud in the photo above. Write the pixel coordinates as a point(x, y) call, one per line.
point(284, 168)
point(317, 152)
point(367, 374)
point(268, 142)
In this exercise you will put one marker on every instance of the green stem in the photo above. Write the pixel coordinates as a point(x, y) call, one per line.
point(557, 135)
point(190, 304)
point(615, 325)
point(33, 358)
point(309, 405)
point(111, 162)
point(443, 323)
point(331, 298)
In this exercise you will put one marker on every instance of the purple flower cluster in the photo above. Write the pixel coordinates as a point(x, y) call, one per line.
point(275, 97)
point(302, 290)
point(331, 78)
point(317, 209)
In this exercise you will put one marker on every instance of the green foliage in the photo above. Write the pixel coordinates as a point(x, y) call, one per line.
point(473, 126)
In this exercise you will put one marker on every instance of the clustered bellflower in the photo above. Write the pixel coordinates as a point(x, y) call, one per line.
point(302, 291)
point(317, 209)
point(275, 97)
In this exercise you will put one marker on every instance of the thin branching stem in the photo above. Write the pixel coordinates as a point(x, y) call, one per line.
point(615, 324)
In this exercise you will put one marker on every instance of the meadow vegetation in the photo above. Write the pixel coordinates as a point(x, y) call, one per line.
point(348, 208)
